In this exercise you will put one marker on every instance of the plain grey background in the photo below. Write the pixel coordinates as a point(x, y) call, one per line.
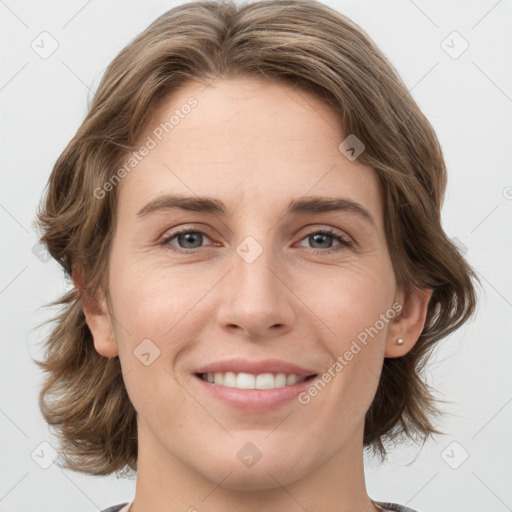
point(466, 93)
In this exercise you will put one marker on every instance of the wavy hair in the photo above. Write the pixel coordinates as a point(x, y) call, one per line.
point(316, 49)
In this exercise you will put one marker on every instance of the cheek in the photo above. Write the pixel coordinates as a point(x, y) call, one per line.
point(154, 300)
point(153, 315)
point(359, 313)
point(353, 299)
point(159, 308)
point(358, 309)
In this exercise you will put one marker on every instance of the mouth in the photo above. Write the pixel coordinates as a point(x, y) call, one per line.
point(249, 381)
point(252, 385)
point(252, 393)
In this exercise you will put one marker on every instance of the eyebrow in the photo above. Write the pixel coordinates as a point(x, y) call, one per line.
point(303, 206)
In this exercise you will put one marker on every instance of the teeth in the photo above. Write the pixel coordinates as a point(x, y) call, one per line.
point(251, 381)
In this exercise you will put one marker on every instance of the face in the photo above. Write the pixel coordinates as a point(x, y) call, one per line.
point(190, 287)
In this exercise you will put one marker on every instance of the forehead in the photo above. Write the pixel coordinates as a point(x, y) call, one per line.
point(247, 141)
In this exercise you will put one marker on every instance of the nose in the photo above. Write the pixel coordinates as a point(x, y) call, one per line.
point(255, 299)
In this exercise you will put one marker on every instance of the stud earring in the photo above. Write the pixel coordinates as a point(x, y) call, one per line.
point(399, 341)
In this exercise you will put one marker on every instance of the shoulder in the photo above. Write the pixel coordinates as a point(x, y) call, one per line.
point(116, 508)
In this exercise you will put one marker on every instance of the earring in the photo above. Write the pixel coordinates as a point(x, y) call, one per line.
point(399, 341)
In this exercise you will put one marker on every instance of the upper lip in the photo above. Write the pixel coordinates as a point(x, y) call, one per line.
point(256, 367)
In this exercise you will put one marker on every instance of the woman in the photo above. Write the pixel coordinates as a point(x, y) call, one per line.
point(210, 344)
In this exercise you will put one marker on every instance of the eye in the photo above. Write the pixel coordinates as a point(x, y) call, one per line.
point(191, 239)
point(322, 236)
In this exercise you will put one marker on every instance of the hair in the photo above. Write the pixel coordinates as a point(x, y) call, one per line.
point(301, 43)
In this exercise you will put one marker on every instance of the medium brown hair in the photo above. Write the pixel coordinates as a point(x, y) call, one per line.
point(312, 47)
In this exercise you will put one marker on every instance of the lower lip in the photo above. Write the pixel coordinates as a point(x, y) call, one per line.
point(254, 399)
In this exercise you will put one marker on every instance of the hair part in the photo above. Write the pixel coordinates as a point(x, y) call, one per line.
point(315, 49)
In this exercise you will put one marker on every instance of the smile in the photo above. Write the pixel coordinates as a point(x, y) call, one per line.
point(250, 381)
point(280, 389)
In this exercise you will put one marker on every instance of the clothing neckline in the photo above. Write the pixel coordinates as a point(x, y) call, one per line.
point(380, 507)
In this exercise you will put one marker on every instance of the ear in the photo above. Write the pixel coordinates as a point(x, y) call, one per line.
point(409, 323)
point(97, 316)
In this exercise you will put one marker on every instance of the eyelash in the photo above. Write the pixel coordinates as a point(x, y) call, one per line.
point(345, 241)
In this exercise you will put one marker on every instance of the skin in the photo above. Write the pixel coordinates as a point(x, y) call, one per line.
point(253, 144)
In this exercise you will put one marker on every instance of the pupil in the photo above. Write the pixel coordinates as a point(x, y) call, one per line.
point(189, 237)
point(319, 235)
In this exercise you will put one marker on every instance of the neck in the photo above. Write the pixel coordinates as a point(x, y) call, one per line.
point(166, 484)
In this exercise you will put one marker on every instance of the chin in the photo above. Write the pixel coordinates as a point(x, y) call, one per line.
point(255, 480)
point(267, 473)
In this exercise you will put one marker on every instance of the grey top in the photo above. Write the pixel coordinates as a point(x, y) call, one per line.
point(388, 506)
